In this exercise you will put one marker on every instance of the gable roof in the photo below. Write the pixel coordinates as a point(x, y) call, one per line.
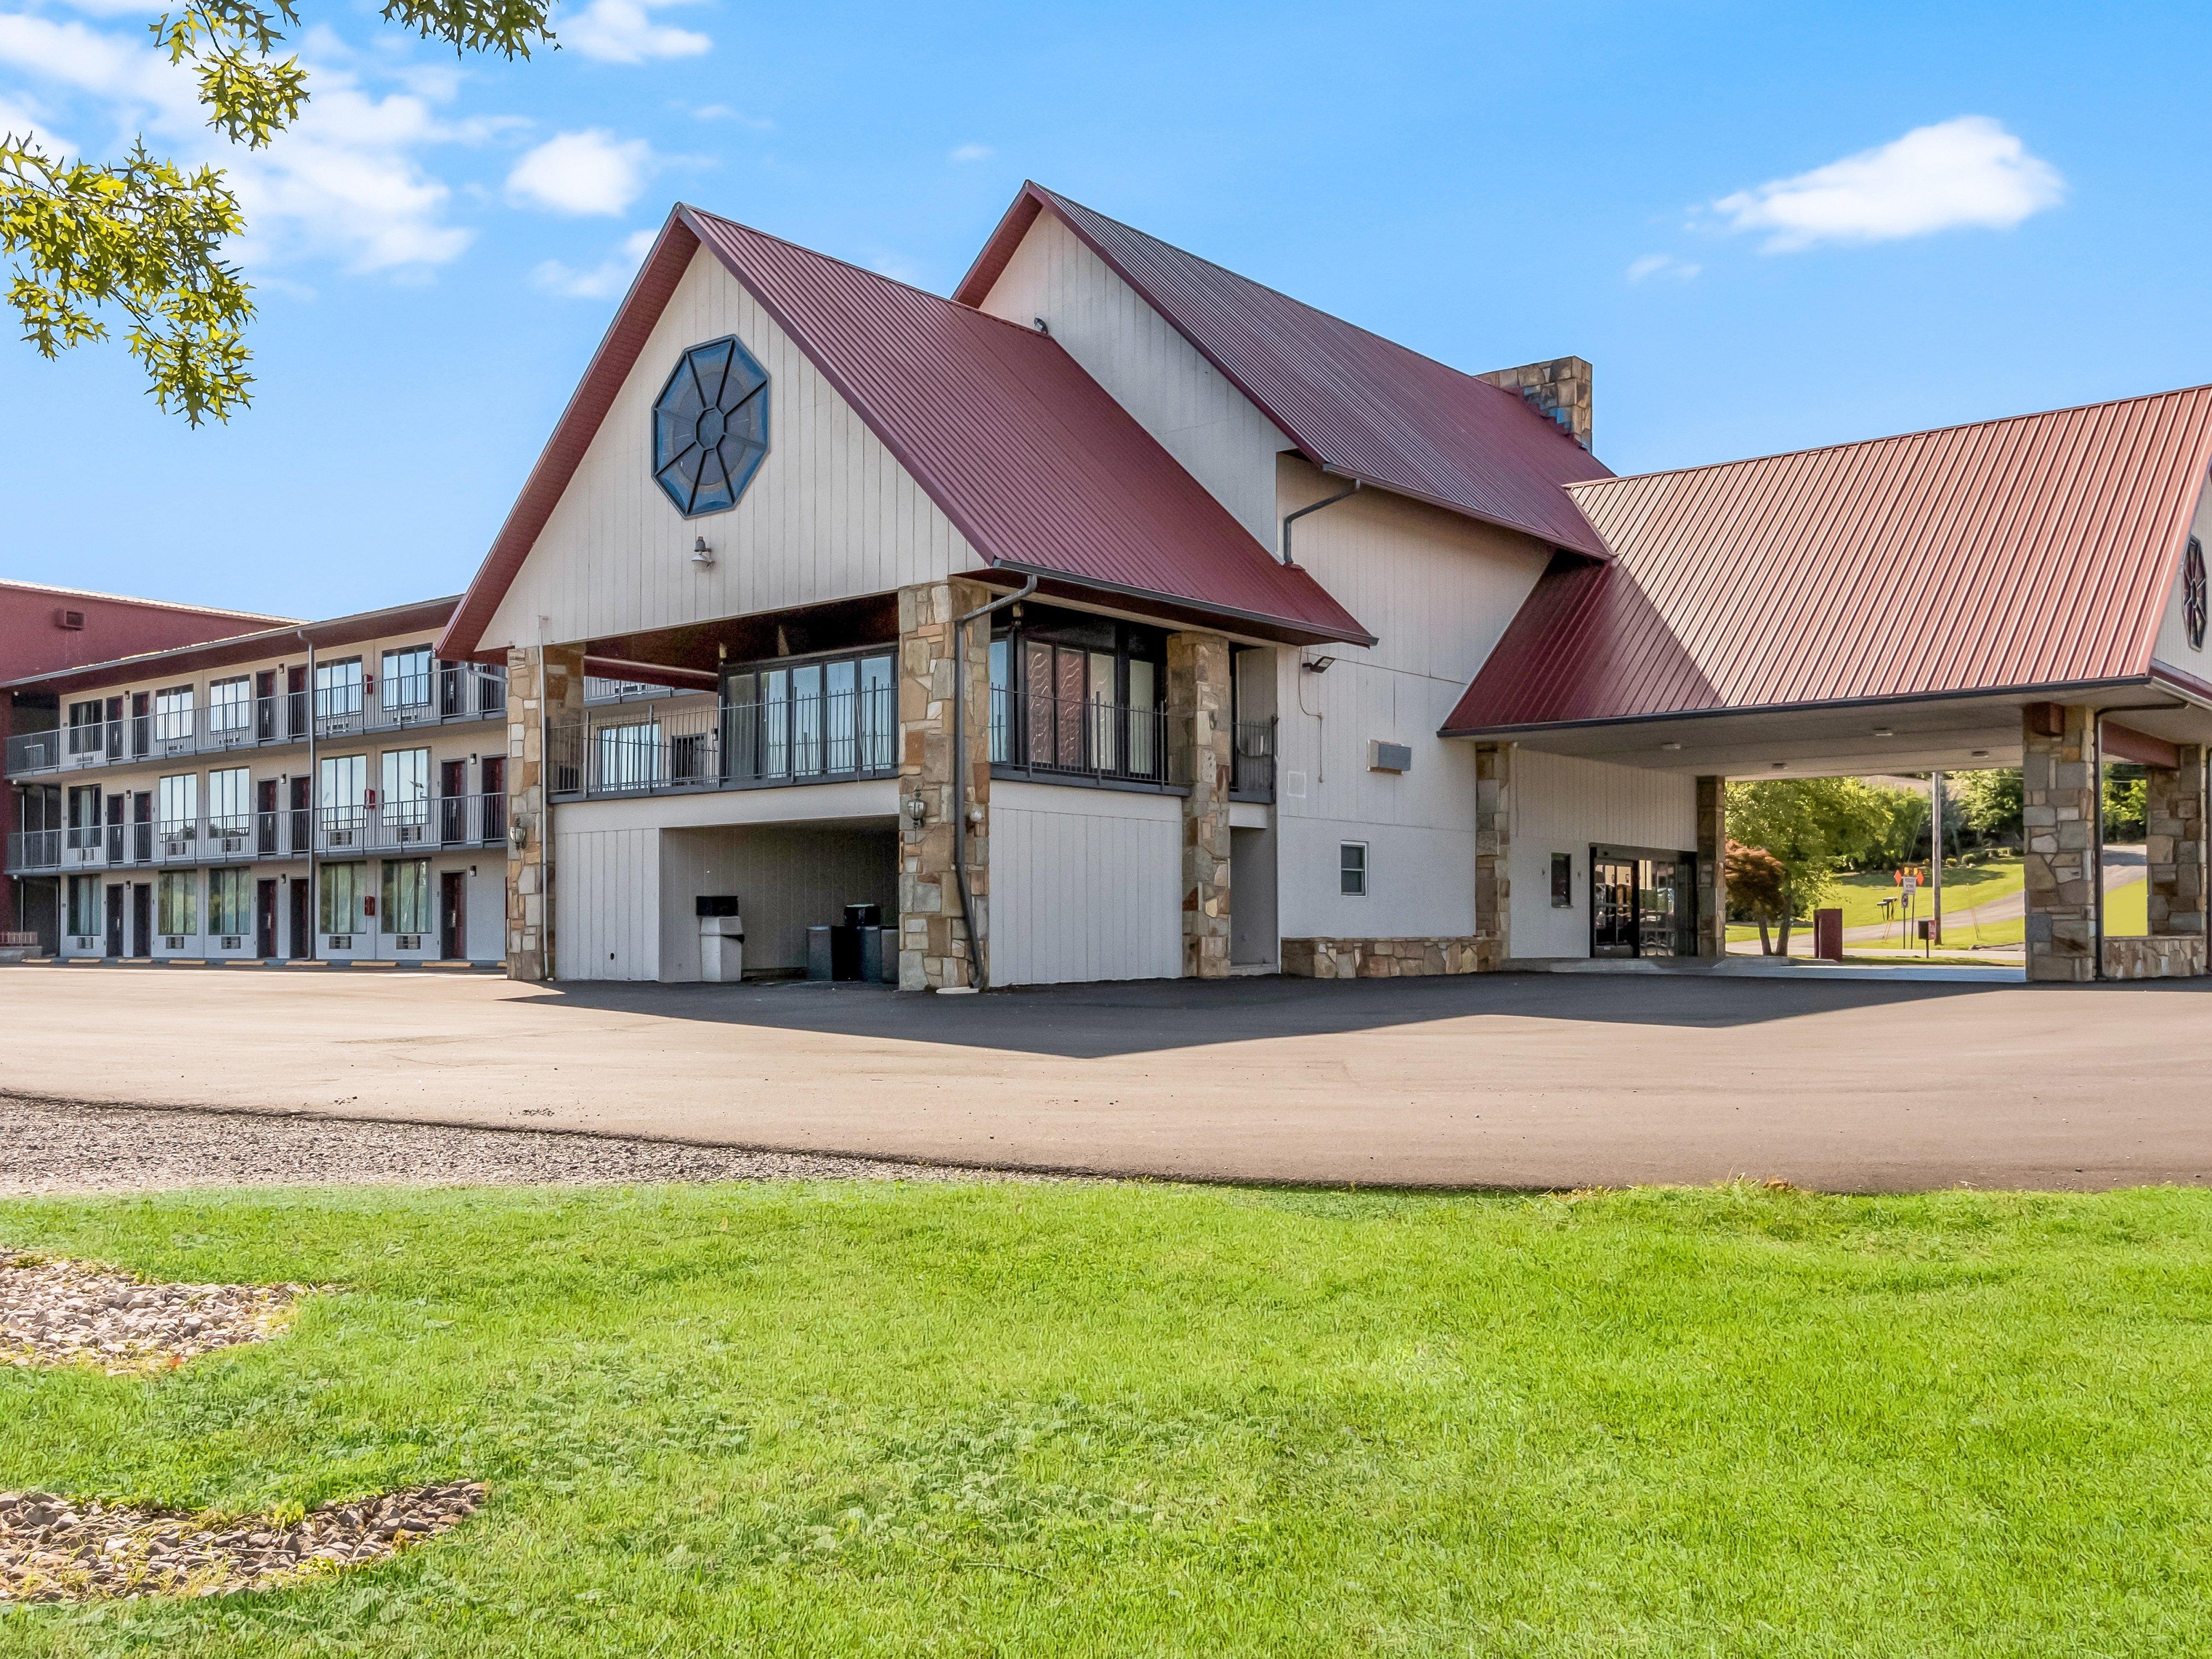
point(1353, 402)
point(1025, 454)
point(2030, 552)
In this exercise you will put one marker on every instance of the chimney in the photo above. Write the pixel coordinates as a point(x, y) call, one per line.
point(1558, 390)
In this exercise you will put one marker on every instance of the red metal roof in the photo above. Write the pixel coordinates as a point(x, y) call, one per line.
point(1353, 402)
point(2038, 551)
point(1028, 456)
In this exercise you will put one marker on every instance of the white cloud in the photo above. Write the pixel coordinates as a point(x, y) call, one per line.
point(731, 112)
point(1661, 265)
point(346, 180)
point(974, 153)
point(587, 172)
point(602, 281)
point(1966, 172)
point(623, 32)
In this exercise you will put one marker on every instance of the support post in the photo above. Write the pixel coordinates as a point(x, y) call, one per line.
point(544, 690)
point(2058, 778)
point(1200, 738)
point(2175, 851)
point(1494, 852)
point(934, 934)
point(1712, 866)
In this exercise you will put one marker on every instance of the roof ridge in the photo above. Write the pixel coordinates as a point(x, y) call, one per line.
point(135, 599)
point(1885, 438)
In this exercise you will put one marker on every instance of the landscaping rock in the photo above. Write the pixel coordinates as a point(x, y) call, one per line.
point(59, 1549)
point(62, 1312)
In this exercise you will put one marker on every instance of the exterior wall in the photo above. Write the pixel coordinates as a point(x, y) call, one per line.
point(609, 902)
point(1561, 804)
point(2058, 775)
point(1254, 938)
point(830, 514)
point(787, 877)
point(1087, 884)
point(1147, 367)
point(1438, 590)
point(2172, 647)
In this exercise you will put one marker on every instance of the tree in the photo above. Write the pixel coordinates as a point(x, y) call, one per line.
point(1757, 882)
point(145, 237)
point(1990, 802)
point(2126, 802)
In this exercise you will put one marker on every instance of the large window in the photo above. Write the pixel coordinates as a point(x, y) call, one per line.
point(1079, 694)
point(84, 906)
point(87, 728)
point(407, 896)
point(833, 717)
point(340, 794)
point(175, 892)
point(176, 805)
point(230, 704)
point(344, 887)
point(173, 714)
point(406, 679)
point(337, 688)
point(230, 802)
point(406, 797)
point(229, 902)
point(84, 816)
point(629, 756)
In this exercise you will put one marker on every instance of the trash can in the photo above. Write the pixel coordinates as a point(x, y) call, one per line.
point(864, 916)
point(818, 965)
point(721, 940)
point(845, 953)
point(871, 954)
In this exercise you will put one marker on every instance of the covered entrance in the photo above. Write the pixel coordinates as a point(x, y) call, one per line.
point(1643, 902)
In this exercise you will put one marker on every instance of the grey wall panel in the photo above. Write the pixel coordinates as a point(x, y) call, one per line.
point(786, 877)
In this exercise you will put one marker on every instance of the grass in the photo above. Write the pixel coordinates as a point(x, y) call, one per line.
point(1964, 886)
point(1114, 1419)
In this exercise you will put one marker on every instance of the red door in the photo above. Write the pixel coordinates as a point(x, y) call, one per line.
point(453, 915)
point(264, 920)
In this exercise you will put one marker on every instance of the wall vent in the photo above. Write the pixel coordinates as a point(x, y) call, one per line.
point(68, 618)
point(1389, 757)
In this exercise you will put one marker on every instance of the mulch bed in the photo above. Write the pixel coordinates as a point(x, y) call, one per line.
point(63, 1312)
point(56, 1549)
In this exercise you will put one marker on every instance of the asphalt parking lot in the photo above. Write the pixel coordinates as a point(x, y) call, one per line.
point(1512, 1081)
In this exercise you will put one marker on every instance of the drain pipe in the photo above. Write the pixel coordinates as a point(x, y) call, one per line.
point(314, 784)
point(976, 958)
point(1289, 519)
point(2096, 732)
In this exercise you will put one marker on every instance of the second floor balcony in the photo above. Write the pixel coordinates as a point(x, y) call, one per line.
point(451, 693)
point(443, 823)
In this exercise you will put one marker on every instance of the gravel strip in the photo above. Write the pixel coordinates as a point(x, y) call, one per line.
point(56, 1146)
point(52, 1549)
point(65, 1312)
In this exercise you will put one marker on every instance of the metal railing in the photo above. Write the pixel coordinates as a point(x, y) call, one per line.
point(647, 749)
point(1252, 761)
point(1083, 737)
point(413, 826)
point(454, 692)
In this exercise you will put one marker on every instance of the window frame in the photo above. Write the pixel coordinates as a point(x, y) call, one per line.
point(176, 892)
point(168, 824)
point(824, 717)
point(230, 899)
point(351, 874)
point(233, 712)
point(1347, 870)
point(173, 712)
point(334, 684)
point(387, 677)
point(1104, 682)
point(394, 914)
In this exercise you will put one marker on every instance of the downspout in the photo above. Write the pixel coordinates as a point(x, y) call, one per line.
point(975, 954)
point(1289, 519)
point(2097, 836)
point(314, 898)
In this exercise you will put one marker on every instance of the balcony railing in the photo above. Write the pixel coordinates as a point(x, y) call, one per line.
point(407, 827)
point(455, 692)
point(1060, 737)
point(1252, 761)
point(834, 737)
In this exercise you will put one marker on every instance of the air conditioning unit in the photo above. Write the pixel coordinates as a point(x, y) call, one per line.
point(231, 941)
point(341, 941)
point(69, 619)
point(174, 942)
point(1389, 757)
point(234, 844)
point(410, 942)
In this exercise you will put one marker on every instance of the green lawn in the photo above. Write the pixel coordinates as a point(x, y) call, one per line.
point(1965, 886)
point(1118, 1419)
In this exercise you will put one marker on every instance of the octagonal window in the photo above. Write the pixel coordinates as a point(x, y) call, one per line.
point(710, 427)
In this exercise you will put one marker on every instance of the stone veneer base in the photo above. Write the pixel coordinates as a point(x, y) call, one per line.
point(2173, 956)
point(1377, 959)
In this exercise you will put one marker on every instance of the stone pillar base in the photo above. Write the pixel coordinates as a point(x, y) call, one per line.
point(1380, 959)
point(2174, 957)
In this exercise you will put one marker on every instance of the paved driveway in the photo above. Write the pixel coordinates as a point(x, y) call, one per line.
point(1512, 1080)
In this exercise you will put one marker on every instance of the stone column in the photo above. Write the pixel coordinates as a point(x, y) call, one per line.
point(1199, 740)
point(1494, 849)
point(1713, 867)
point(934, 934)
point(2058, 777)
point(544, 687)
point(2174, 821)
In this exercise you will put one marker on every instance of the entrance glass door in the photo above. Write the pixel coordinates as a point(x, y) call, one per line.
point(1658, 891)
point(1612, 908)
point(1642, 902)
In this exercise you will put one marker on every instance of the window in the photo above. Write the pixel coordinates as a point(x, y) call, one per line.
point(629, 756)
point(230, 803)
point(833, 717)
point(173, 714)
point(229, 902)
point(1563, 881)
point(84, 906)
point(406, 896)
point(339, 793)
point(1352, 869)
point(710, 427)
point(174, 896)
point(87, 728)
point(230, 704)
point(84, 816)
point(406, 797)
point(177, 808)
point(343, 888)
point(337, 688)
point(1075, 693)
point(407, 677)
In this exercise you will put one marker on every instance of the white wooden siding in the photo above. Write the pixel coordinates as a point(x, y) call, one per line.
point(830, 515)
point(2174, 648)
point(786, 877)
point(1146, 366)
point(1560, 803)
point(1085, 884)
point(607, 903)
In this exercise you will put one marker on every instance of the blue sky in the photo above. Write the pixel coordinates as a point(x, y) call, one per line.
point(1768, 227)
